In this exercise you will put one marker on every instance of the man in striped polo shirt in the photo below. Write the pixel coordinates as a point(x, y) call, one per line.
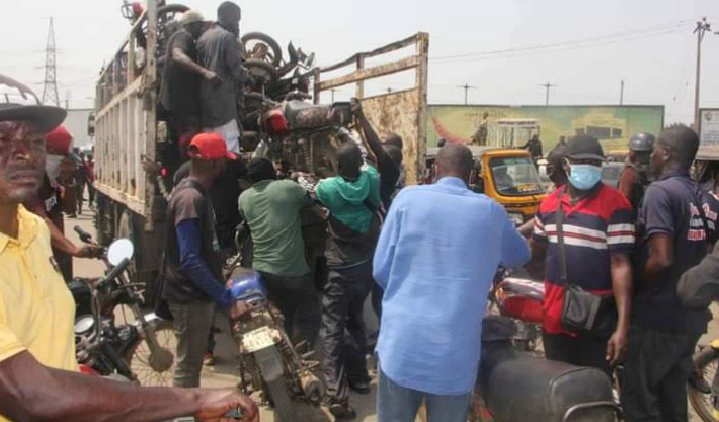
point(599, 238)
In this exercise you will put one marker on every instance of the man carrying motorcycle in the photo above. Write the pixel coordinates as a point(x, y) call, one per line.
point(38, 368)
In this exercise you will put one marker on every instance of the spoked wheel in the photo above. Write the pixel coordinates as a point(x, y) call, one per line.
point(155, 371)
point(262, 47)
point(707, 361)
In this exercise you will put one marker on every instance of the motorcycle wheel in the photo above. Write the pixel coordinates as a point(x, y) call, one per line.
point(272, 371)
point(273, 53)
point(138, 358)
point(263, 74)
point(706, 361)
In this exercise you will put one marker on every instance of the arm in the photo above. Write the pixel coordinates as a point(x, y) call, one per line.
point(622, 286)
point(385, 253)
point(189, 240)
point(30, 391)
point(626, 182)
point(514, 252)
point(57, 237)
point(180, 57)
point(538, 246)
point(233, 60)
point(661, 255)
point(656, 214)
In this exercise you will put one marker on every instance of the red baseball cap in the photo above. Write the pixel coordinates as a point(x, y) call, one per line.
point(209, 146)
point(59, 141)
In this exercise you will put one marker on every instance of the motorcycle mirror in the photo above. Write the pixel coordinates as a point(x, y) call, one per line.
point(310, 61)
point(120, 250)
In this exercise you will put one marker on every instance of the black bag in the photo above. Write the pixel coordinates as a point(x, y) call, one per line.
point(583, 312)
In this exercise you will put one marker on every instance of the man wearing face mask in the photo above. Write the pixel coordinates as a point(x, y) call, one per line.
point(47, 203)
point(598, 233)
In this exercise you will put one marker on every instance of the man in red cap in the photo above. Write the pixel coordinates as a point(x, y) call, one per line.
point(38, 367)
point(193, 264)
point(47, 203)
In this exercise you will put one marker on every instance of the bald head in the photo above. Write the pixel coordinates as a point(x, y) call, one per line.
point(454, 161)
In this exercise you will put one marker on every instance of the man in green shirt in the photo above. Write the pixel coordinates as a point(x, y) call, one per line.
point(271, 209)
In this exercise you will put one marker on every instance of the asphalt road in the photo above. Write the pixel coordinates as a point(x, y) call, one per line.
point(224, 373)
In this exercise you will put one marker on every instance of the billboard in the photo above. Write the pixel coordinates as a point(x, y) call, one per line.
point(511, 126)
point(709, 127)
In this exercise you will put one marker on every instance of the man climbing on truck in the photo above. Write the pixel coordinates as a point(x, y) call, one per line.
point(179, 91)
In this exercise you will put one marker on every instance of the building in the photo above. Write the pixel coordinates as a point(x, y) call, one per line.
point(77, 123)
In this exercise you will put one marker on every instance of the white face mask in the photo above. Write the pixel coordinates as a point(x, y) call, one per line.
point(52, 166)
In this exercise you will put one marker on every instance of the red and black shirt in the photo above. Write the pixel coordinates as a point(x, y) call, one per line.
point(595, 227)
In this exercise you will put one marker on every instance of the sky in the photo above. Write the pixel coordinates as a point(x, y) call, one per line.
point(595, 44)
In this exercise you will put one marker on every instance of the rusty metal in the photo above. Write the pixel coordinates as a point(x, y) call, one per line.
point(402, 112)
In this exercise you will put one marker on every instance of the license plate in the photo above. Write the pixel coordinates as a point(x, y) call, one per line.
point(257, 340)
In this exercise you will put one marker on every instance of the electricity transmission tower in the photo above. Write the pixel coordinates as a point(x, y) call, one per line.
point(49, 94)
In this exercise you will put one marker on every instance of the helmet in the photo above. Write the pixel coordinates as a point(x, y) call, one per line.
point(641, 142)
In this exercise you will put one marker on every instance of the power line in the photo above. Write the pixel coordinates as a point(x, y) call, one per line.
point(565, 45)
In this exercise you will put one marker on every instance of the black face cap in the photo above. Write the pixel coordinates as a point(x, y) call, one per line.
point(584, 147)
point(19, 103)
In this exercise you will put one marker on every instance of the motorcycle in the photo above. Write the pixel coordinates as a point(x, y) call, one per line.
point(139, 351)
point(269, 363)
point(705, 401)
point(297, 132)
point(523, 301)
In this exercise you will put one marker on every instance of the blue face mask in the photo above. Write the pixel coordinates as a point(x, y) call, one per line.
point(584, 176)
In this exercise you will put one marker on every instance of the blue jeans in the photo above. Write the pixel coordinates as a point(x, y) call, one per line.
point(399, 404)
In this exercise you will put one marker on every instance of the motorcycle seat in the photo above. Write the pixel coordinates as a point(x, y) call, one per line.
point(520, 387)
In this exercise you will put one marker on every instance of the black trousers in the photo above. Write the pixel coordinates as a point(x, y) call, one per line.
point(297, 299)
point(580, 350)
point(343, 332)
point(656, 369)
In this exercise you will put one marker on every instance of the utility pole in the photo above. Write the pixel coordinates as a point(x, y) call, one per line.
point(389, 89)
point(68, 96)
point(50, 95)
point(333, 93)
point(466, 88)
point(621, 94)
point(702, 28)
point(548, 86)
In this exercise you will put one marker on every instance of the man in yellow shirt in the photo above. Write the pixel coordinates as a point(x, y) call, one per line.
point(38, 378)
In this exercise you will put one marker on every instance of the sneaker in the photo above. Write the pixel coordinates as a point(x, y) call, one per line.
point(209, 359)
point(342, 411)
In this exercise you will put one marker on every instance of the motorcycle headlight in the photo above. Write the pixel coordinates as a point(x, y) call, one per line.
point(517, 218)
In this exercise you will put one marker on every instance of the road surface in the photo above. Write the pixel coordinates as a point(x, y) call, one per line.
point(224, 373)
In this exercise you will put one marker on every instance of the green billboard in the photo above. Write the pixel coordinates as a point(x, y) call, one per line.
point(511, 126)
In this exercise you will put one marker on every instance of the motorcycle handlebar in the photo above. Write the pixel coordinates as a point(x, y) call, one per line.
point(85, 237)
point(119, 268)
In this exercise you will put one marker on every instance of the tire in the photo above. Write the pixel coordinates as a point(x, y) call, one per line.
point(274, 56)
point(263, 73)
point(272, 371)
point(706, 361)
point(139, 355)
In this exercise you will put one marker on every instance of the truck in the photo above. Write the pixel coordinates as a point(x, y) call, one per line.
point(129, 131)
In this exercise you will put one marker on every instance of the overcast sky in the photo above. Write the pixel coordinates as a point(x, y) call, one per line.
point(648, 43)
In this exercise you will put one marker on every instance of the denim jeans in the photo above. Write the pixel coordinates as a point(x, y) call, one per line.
point(399, 404)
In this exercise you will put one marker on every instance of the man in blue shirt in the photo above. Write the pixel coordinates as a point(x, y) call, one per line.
point(438, 251)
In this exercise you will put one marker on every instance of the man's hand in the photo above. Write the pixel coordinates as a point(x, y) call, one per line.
point(87, 251)
point(617, 346)
point(214, 404)
point(356, 108)
point(152, 168)
point(212, 76)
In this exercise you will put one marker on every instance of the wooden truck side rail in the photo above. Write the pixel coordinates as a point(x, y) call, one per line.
point(125, 121)
point(402, 112)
